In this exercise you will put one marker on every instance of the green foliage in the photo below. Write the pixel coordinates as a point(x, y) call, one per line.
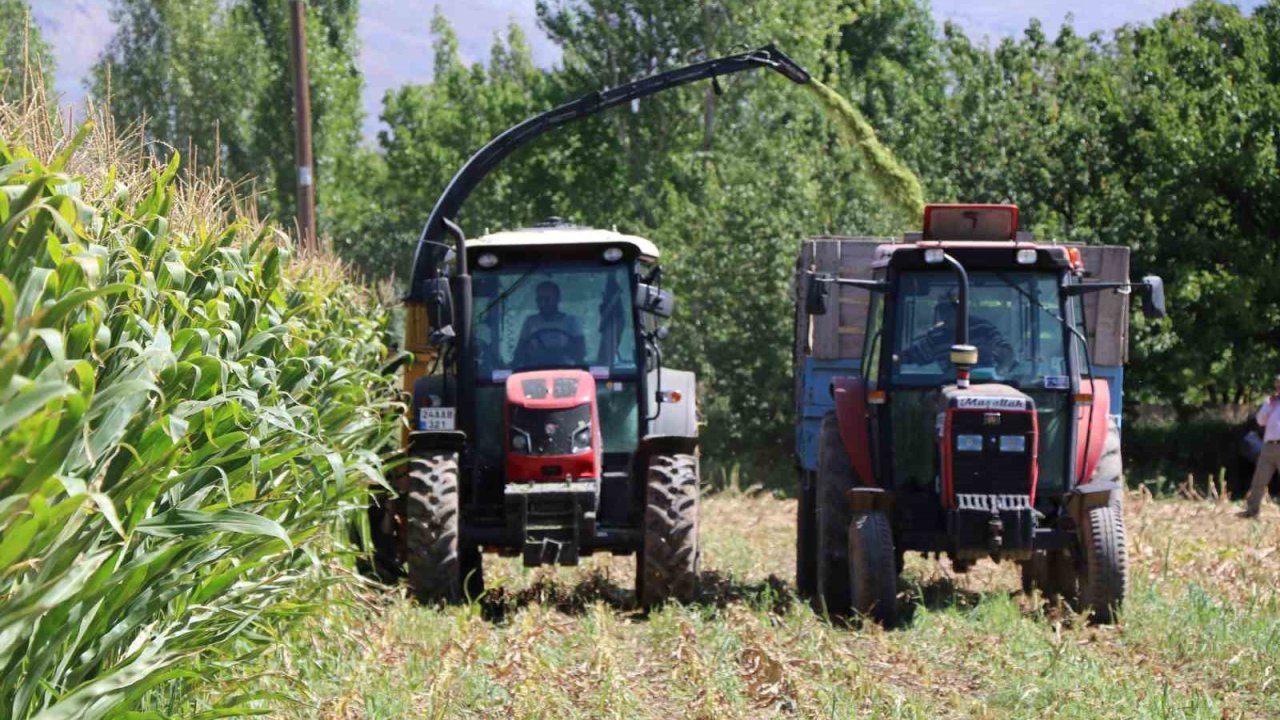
point(183, 420)
point(433, 129)
point(1158, 137)
point(23, 51)
point(214, 77)
point(1204, 448)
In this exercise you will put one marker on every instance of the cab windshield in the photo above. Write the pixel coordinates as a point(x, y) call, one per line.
point(1013, 321)
point(533, 315)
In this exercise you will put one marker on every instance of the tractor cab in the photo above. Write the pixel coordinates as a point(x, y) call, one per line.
point(977, 425)
point(548, 301)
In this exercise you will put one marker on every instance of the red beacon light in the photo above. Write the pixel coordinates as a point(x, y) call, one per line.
point(973, 222)
point(1073, 256)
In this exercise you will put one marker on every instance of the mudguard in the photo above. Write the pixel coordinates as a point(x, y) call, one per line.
point(675, 419)
point(855, 432)
point(1091, 423)
point(667, 445)
point(1083, 498)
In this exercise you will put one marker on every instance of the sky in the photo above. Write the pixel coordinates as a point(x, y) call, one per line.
point(396, 39)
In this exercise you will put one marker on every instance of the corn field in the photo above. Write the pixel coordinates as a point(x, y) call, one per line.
point(187, 417)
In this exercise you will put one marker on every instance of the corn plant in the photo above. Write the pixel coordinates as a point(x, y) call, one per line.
point(184, 418)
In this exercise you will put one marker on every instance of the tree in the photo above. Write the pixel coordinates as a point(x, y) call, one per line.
point(23, 52)
point(336, 84)
point(431, 130)
point(213, 77)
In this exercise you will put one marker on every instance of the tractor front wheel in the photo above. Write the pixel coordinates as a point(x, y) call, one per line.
point(834, 481)
point(873, 574)
point(439, 569)
point(1105, 579)
point(667, 565)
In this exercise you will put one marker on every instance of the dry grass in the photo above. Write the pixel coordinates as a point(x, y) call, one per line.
point(1200, 638)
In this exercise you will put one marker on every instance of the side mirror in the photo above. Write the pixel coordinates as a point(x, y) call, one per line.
point(816, 294)
point(653, 300)
point(438, 300)
point(1153, 297)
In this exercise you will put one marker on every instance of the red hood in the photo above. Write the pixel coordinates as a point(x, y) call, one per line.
point(550, 389)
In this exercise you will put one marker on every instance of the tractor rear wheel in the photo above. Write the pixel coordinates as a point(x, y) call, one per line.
point(439, 569)
point(667, 565)
point(1105, 579)
point(806, 536)
point(834, 481)
point(873, 575)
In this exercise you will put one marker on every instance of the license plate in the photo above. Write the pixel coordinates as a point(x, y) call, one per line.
point(436, 419)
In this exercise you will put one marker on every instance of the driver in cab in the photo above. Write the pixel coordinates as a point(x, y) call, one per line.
point(550, 336)
point(935, 346)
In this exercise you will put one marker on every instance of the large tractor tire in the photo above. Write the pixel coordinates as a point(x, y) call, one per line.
point(667, 565)
point(439, 569)
point(807, 536)
point(835, 479)
point(873, 573)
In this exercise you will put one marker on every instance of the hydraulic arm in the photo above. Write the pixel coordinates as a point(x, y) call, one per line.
point(432, 245)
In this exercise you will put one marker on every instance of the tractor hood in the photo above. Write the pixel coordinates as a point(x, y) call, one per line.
point(989, 443)
point(552, 428)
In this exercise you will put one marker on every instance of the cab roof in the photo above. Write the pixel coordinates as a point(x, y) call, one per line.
point(561, 234)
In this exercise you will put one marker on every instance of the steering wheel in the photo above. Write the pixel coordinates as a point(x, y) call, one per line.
point(541, 335)
point(546, 349)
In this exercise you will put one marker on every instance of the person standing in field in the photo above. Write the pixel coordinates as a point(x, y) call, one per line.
point(1269, 459)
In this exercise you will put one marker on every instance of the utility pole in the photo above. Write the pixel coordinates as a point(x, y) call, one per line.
point(302, 135)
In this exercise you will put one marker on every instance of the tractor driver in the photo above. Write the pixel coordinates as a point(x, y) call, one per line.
point(935, 346)
point(550, 336)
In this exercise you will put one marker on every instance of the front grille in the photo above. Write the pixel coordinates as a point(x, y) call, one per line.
point(549, 432)
point(991, 470)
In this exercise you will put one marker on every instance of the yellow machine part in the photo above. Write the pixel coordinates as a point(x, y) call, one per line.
point(417, 331)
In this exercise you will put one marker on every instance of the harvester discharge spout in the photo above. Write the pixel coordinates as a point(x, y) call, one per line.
point(432, 245)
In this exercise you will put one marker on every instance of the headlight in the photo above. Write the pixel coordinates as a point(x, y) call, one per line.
point(969, 443)
point(1013, 443)
point(582, 439)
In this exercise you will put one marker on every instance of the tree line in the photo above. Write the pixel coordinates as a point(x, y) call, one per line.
point(1160, 136)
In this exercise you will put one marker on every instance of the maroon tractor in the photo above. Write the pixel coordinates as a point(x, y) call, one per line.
point(973, 422)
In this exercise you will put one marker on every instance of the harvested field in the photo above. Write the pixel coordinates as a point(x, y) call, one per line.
point(1199, 638)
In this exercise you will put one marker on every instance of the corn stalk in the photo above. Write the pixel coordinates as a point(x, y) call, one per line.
point(184, 419)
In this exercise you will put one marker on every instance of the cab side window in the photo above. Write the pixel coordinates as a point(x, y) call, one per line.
point(873, 343)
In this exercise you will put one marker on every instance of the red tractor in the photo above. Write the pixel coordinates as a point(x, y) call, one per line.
point(543, 422)
point(976, 424)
